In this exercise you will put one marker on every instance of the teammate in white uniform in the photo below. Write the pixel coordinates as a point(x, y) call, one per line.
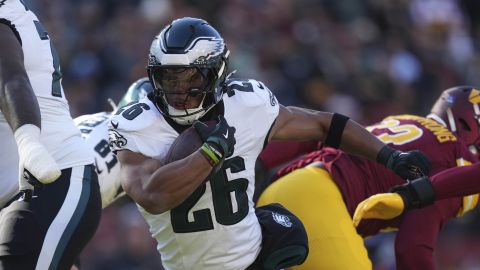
point(213, 224)
point(48, 222)
point(94, 129)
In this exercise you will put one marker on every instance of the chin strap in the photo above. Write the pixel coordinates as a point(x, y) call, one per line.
point(194, 115)
point(186, 116)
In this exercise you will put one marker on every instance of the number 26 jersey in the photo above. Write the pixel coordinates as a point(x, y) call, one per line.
point(216, 227)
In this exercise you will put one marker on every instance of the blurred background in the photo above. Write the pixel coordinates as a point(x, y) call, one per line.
point(363, 58)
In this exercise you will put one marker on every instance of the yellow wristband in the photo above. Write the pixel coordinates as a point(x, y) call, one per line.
point(209, 154)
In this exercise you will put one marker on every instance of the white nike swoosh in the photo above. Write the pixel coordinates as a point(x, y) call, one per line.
point(226, 135)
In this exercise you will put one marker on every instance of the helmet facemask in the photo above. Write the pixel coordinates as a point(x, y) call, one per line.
point(187, 67)
point(184, 93)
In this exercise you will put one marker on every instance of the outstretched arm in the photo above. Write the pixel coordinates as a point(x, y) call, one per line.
point(457, 182)
point(454, 182)
point(338, 131)
point(294, 123)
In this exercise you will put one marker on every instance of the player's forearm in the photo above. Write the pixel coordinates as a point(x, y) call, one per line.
point(19, 104)
point(171, 184)
point(358, 141)
point(17, 99)
point(334, 130)
point(457, 182)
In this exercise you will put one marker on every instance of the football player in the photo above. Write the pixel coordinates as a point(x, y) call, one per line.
point(56, 212)
point(200, 208)
point(324, 187)
point(94, 129)
point(458, 109)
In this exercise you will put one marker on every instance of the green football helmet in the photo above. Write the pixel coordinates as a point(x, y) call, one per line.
point(136, 91)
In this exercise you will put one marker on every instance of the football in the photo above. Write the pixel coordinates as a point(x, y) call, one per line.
point(185, 144)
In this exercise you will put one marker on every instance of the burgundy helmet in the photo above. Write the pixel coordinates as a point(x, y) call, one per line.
point(459, 108)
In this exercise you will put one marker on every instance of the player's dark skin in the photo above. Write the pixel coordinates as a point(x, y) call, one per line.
point(18, 102)
point(159, 188)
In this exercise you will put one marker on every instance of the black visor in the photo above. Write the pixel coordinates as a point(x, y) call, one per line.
point(182, 80)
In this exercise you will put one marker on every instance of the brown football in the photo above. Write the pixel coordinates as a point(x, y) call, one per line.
point(185, 144)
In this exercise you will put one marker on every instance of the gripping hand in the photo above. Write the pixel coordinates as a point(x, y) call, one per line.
point(413, 194)
point(219, 141)
point(381, 206)
point(408, 165)
point(34, 157)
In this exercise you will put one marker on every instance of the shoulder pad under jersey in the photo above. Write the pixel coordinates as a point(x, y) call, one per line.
point(249, 92)
point(136, 116)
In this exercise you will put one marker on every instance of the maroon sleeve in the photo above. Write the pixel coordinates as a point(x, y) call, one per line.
point(418, 232)
point(278, 153)
point(459, 181)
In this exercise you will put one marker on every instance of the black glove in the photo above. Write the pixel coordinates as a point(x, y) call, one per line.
point(416, 194)
point(32, 180)
point(219, 141)
point(408, 165)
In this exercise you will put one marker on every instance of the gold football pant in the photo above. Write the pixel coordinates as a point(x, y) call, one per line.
point(312, 196)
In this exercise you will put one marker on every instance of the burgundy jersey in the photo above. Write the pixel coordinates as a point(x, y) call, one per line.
point(359, 178)
point(271, 157)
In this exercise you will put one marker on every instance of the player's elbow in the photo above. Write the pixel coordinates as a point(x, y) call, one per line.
point(155, 203)
point(152, 207)
point(152, 204)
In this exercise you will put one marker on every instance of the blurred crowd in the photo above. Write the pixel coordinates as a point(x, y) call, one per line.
point(363, 58)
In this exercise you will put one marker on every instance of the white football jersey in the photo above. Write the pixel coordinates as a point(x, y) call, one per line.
point(94, 128)
point(59, 134)
point(216, 227)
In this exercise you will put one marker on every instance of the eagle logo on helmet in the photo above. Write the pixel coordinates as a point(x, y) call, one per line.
point(203, 49)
